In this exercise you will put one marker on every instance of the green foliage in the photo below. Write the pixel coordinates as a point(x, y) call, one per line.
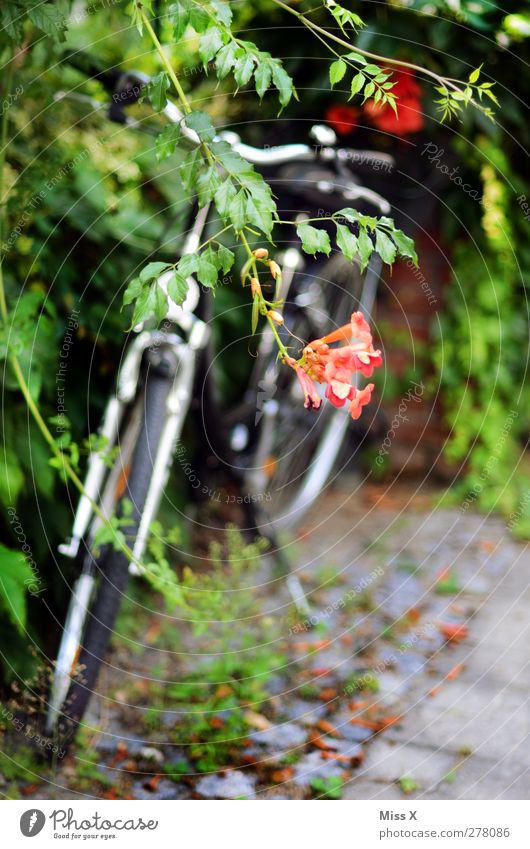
point(234, 651)
point(328, 788)
point(15, 575)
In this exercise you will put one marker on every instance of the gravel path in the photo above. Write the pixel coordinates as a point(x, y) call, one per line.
point(408, 678)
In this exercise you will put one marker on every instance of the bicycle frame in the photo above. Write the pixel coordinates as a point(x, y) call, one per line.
point(186, 335)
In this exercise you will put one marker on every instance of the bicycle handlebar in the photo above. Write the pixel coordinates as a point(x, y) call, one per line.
point(126, 88)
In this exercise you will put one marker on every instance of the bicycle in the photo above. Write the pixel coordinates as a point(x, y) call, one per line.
point(155, 387)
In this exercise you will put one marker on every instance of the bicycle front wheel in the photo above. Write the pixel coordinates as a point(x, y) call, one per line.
point(99, 590)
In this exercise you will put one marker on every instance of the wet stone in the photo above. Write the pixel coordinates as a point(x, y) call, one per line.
point(305, 712)
point(314, 766)
point(165, 790)
point(232, 785)
point(399, 593)
point(286, 736)
point(353, 733)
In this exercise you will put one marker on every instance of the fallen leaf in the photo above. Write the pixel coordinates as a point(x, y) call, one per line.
point(454, 673)
point(153, 783)
point(281, 775)
point(256, 720)
point(327, 694)
point(321, 742)
point(327, 728)
point(153, 632)
point(110, 794)
point(453, 632)
point(223, 692)
point(29, 789)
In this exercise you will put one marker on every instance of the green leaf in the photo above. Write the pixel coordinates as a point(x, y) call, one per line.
point(283, 83)
point(237, 210)
point(11, 476)
point(180, 18)
point(259, 215)
point(201, 123)
point(207, 185)
point(187, 265)
point(177, 288)
point(207, 272)
point(132, 291)
point(223, 12)
point(244, 68)
point(369, 89)
point(167, 140)
point(15, 576)
point(385, 247)
point(199, 18)
point(226, 258)
point(263, 78)
point(337, 71)
point(366, 247)
point(223, 198)
point(49, 19)
point(145, 305)
point(210, 44)
point(357, 83)
point(346, 241)
point(474, 75)
point(161, 304)
point(152, 271)
point(225, 60)
point(157, 89)
point(313, 239)
point(405, 245)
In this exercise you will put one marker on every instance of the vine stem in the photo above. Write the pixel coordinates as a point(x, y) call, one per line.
point(171, 73)
point(401, 63)
point(283, 350)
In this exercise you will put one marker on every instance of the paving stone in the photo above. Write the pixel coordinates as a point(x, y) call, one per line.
point(165, 790)
point(234, 784)
point(283, 737)
point(312, 766)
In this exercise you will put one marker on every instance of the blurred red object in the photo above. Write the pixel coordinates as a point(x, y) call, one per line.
point(342, 118)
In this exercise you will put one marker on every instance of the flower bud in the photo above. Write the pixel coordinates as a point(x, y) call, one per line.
point(261, 253)
point(255, 288)
point(275, 269)
point(276, 316)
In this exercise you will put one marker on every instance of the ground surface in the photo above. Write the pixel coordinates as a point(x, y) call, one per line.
point(408, 678)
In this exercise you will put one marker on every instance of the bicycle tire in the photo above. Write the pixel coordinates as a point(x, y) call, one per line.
point(113, 565)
